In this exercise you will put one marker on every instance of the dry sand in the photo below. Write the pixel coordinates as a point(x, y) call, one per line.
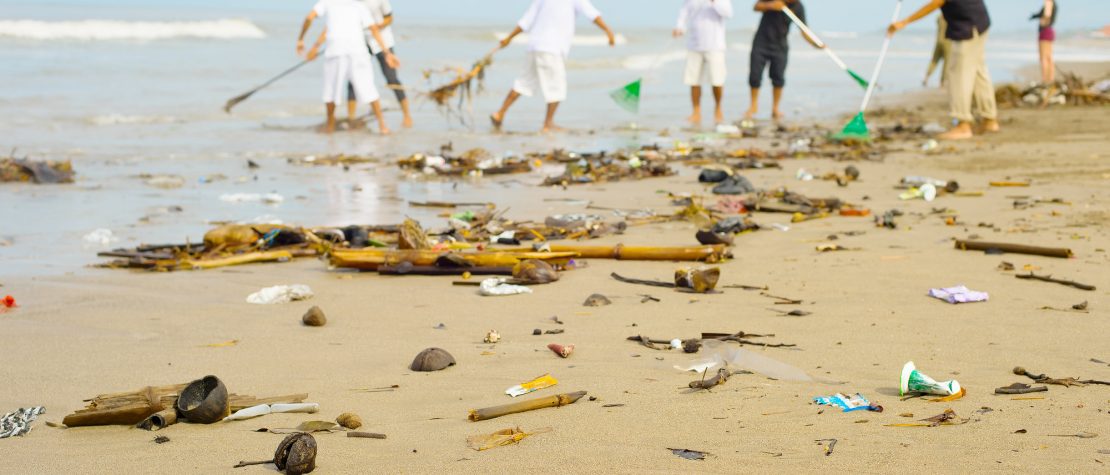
point(77, 336)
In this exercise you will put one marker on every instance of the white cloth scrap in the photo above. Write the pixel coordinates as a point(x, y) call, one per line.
point(958, 294)
point(19, 422)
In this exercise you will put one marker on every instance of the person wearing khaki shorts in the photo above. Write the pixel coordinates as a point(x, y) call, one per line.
point(703, 21)
point(970, 90)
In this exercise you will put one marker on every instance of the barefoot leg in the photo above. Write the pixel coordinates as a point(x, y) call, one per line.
point(695, 101)
point(377, 108)
point(407, 122)
point(753, 109)
point(776, 111)
point(961, 131)
point(549, 119)
point(330, 127)
point(718, 96)
point(497, 118)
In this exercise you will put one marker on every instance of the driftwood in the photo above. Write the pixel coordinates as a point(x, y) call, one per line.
point(707, 384)
point(712, 253)
point(134, 407)
point(653, 283)
point(366, 435)
point(371, 259)
point(523, 406)
point(1048, 278)
point(1045, 379)
point(408, 269)
point(1014, 248)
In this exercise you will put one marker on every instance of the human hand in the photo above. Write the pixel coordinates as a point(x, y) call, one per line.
point(312, 53)
point(676, 33)
point(505, 42)
point(300, 47)
point(894, 27)
point(612, 39)
point(392, 60)
point(777, 5)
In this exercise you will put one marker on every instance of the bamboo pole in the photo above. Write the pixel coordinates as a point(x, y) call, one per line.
point(1014, 248)
point(436, 270)
point(645, 253)
point(238, 259)
point(523, 406)
point(371, 259)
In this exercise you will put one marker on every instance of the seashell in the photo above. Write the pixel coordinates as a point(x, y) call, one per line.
point(203, 401)
point(412, 236)
point(432, 359)
point(296, 454)
point(349, 420)
point(596, 300)
point(534, 271)
point(492, 337)
point(561, 350)
point(314, 317)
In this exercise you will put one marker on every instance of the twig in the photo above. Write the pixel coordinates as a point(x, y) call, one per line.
point(1048, 278)
point(1046, 379)
point(783, 300)
point(653, 283)
point(745, 287)
point(245, 464)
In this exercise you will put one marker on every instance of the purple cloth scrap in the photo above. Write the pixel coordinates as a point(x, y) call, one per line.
point(958, 294)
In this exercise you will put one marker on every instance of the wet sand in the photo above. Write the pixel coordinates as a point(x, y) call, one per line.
point(100, 331)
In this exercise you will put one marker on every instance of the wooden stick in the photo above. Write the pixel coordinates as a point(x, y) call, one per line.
point(1048, 278)
point(653, 283)
point(436, 270)
point(247, 258)
point(646, 253)
point(1013, 248)
point(366, 435)
point(523, 406)
point(371, 259)
point(257, 462)
point(706, 384)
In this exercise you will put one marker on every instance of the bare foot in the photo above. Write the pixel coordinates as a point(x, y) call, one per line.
point(551, 129)
point(991, 125)
point(694, 119)
point(407, 122)
point(329, 127)
point(777, 115)
point(496, 119)
point(383, 130)
point(719, 117)
point(750, 114)
point(959, 132)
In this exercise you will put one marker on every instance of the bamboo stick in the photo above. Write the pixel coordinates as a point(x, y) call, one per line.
point(645, 253)
point(523, 406)
point(435, 270)
point(1014, 248)
point(238, 259)
point(371, 259)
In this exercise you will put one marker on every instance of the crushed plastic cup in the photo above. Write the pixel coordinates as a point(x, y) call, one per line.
point(803, 175)
point(927, 192)
point(545, 381)
point(499, 286)
point(280, 294)
point(913, 381)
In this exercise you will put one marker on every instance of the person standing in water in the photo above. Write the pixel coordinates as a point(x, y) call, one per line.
point(940, 54)
point(969, 81)
point(550, 28)
point(770, 48)
point(382, 13)
point(703, 21)
point(1046, 35)
point(346, 58)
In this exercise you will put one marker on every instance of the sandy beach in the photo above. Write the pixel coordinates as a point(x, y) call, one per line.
point(96, 331)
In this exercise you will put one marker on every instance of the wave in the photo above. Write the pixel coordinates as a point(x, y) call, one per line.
point(120, 119)
point(578, 40)
point(129, 30)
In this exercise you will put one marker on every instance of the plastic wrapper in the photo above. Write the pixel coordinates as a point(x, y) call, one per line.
point(720, 354)
point(959, 294)
point(499, 287)
point(545, 381)
point(500, 438)
point(280, 294)
point(855, 402)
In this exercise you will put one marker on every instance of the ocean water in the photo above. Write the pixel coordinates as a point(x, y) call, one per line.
point(125, 87)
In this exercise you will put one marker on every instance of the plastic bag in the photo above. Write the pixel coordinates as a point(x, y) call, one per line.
point(722, 354)
point(498, 287)
point(280, 294)
point(500, 438)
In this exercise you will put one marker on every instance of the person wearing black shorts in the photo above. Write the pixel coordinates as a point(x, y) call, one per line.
point(770, 49)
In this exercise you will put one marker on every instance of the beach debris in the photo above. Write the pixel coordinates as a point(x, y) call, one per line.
point(314, 317)
point(707, 384)
point(280, 294)
point(203, 401)
point(829, 444)
point(947, 418)
point(958, 294)
point(645, 298)
point(366, 435)
point(926, 192)
point(699, 279)
point(709, 237)
point(7, 303)
point(710, 253)
point(689, 454)
point(1020, 388)
point(161, 439)
point(1066, 382)
point(653, 283)
point(545, 381)
point(264, 409)
point(713, 175)
point(534, 272)
point(886, 220)
point(1079, 306)
point(1000, 247)
point(499, 286)
point(268, 198)
point(856, 402)
point(721, 355)
point(734, 185)
point(473, 162)
point(1081, 435)
point(492, 337)
point(501, 438)
point(100, 237)
point(18, 422)
point(604, 167)
point(432, 359)
point(792, 313)
point(596, 300)
point(523, 406)
point(1048, 278)
point(35, 171)
point(295, 455)
point(537, 332)
point(553, 331)
point(913, 381)
point(411, 236)
point(561, 350)
point(349, 420)
point(165, 182)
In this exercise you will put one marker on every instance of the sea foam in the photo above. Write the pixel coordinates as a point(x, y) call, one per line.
point(91, 30)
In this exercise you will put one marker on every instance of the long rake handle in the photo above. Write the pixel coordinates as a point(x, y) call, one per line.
point(882, 58)
point(802, 26)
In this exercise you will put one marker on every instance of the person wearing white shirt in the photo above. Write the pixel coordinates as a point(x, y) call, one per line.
point(346, 59)
point(381, 11)
point(550, 27)
point(703, 23)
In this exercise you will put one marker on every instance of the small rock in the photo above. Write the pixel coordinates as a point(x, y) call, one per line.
point(314, 317)
point(349, 420)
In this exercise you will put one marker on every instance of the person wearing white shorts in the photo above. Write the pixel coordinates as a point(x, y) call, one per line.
point(347, 60)
point(550, 27)
point(703, 23)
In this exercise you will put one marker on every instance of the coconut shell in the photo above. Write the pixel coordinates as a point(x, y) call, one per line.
point(432, 359)
point(534, 271)
point(412, 236)
point(349, 420)
point(314, 317)
point(203, 401)
point(596, 300)
point(296, 454)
